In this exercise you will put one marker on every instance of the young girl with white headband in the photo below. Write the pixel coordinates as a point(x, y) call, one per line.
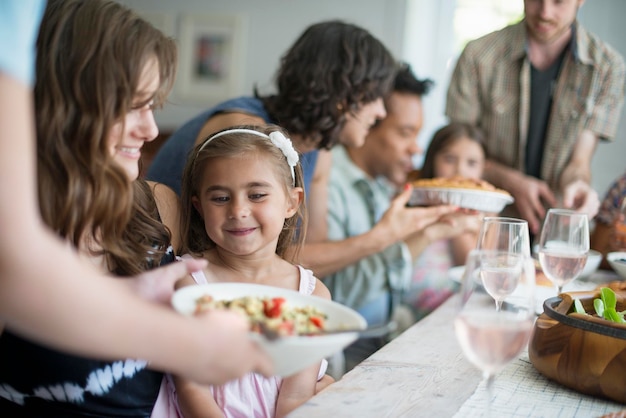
point(242, 198)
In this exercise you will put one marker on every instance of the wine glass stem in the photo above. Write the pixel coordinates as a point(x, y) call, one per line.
point(498, 305)
point(489, 392)
point(559, 289)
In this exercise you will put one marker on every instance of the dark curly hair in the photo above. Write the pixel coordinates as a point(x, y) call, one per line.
point(407, 82)
point(333, 68)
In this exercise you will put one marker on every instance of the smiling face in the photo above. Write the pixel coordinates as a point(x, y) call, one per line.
point(358, 123)
point(392, 143)
point(127, 136)
point(463, 157)
point(550, 20)
point(244, 204)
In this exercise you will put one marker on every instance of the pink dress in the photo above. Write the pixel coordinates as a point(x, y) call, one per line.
point(254, 395)
point(431, 285)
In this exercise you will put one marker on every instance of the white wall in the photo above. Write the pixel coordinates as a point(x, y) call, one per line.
point(606, 19)
point(272, 26)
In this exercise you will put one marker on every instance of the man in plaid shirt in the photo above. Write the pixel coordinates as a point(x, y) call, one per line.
point(544, 91)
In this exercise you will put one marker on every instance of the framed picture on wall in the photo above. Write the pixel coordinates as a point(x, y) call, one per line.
point(211, 57)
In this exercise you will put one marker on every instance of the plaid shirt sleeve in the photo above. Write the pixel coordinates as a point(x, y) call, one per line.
point(607, 104)
point(462, 102)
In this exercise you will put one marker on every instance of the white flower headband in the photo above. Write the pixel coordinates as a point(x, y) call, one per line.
point(277, 138)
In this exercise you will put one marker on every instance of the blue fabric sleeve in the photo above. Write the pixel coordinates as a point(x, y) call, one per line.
point(19, 25)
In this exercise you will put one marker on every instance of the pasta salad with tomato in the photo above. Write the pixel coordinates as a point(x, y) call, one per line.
point(274, 313)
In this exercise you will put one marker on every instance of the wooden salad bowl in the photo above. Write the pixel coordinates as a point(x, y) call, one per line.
point(583, 352)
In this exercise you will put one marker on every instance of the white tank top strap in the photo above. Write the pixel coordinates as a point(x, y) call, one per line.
point(307, 281)
point(198, 276)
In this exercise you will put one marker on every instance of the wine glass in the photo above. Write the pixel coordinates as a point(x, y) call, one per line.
point(504, 235)
point(563, 246)
point(491, 339)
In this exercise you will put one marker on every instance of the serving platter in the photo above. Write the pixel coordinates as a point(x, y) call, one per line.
point(582, 352)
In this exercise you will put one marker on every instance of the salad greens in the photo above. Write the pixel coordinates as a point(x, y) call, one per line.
point(605, 306)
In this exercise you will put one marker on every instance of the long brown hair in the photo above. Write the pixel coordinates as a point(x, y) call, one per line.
point(90, 57)
point(195, 238)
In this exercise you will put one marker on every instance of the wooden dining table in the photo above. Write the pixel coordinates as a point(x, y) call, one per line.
point(423, 373)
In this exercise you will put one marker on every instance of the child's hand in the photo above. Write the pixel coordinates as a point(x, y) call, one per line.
point(455, 224)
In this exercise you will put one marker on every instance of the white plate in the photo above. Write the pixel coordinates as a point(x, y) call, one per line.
point(619, 266)
point(290, 354)
point(481, 200)
point(594, 258)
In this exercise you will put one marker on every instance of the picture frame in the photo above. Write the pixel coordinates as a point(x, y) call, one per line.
point(211, 57)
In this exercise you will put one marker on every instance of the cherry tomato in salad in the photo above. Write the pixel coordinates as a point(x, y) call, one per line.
point(317, 321)
point(273, 307)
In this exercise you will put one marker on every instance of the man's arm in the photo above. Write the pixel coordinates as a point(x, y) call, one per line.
point(463, 95)
point(531, 194)
point(317, 200)
point(397, 223)
point(575, 180)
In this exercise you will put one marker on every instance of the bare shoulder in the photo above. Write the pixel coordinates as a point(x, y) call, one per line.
point(162, 192)
point(166, 199)
point(168, 205)
point(321, 290)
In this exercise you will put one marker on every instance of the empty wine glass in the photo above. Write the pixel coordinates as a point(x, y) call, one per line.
point(504, 236)
point(491, 339)
point(563, 246)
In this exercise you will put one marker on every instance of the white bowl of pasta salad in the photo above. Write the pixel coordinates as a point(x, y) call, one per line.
point(297, 317)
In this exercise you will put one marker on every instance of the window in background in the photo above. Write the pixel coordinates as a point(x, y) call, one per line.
point(475, 18)
point(435, 34)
